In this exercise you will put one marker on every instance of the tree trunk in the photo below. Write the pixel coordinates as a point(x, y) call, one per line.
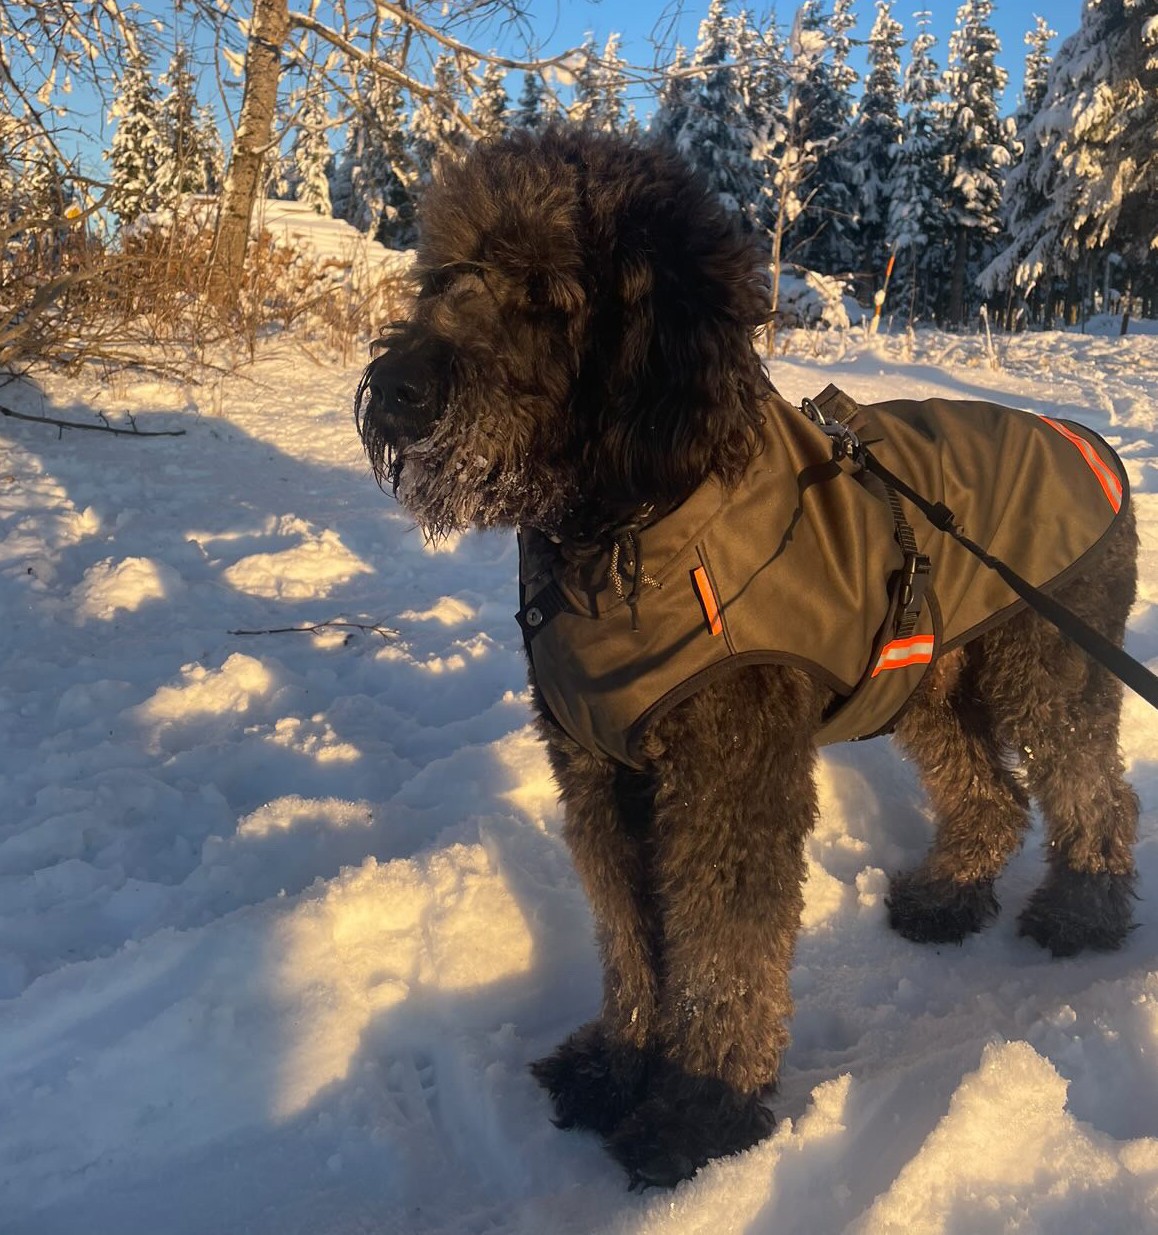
point(957, 283)
point(267, 35)
point(1072, 297)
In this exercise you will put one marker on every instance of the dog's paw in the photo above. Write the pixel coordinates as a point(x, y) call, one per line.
point(684, 1123)
point(1073, 910)
point(930, 910)
point(591, 1085)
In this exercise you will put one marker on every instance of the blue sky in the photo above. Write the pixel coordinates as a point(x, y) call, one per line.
point(559, 24)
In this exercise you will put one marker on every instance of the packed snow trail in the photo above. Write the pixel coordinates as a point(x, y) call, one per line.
point(284, 917)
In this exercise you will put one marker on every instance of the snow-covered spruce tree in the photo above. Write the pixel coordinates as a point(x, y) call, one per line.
point(715, 136)
point(824, 234)
point(1037, 64)
point(1090, 155)
point(182, 165)
point(611, 111)
point(279, 179)
point(311, 159)
point(759, 56)
point(210, 150)
point(790, 157)
point(371, 186)
point(917, 231)
point(669, 117)
point(979, 150)
point(489, 111)
point(529, 113)
point(875, 143)
point(584, 106)
point(9, 173)
point(436, 124)
point(1023, 201)
point(137, 147)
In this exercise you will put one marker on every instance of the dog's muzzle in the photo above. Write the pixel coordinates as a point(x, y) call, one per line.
point(401, 396)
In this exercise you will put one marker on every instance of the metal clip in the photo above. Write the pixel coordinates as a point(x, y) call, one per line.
point(845, 443)
point(914, 583)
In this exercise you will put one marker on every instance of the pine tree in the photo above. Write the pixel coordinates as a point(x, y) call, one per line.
point(825, 233)
point(671, 115)
point(715, 136)
point(980, 145)
point(210, 150)
point(611, 84)
point(1023, 200)
point(792, 157)
point(489, 111)
point(182, 168)
point(759, 57)
point(311, 158)
point(436, 126)
point(916, 224)
point(760, 61)
point(875, 144)
point(9, 173)
point(1089, 176)
point(137, 146)
point(1037, 62)
point(529, 113)
point(371, 188)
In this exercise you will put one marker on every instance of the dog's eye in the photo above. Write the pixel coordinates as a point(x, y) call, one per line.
point(537, 289)
point(441, 278)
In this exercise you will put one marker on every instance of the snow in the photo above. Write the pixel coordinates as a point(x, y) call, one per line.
point(285, 916)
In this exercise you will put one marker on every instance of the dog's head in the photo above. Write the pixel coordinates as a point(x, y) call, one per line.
point(581, 342)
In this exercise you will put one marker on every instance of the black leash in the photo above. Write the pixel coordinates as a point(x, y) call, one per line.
point(846, 444)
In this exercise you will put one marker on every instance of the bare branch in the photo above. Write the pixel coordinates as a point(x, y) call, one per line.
point(316, 628)
point(406, 18)
point(104, 428)
point(304, 21)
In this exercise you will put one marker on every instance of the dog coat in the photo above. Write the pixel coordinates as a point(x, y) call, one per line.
point(802, 564)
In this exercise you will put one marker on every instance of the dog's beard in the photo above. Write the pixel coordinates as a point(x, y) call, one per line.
point(451, 480)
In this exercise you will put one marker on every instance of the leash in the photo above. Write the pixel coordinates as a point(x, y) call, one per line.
point(846, 445)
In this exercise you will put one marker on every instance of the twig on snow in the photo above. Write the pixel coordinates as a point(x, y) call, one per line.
point(101, 428)
point(317, 627)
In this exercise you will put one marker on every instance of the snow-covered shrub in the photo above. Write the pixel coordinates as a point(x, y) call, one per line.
point(810, 299)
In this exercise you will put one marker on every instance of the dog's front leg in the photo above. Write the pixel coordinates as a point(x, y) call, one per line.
point(595, 1077)
point(735, 800)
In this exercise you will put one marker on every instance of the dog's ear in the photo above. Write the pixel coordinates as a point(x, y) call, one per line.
point(682, 393)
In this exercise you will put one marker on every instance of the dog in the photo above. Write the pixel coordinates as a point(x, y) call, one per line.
point(579, 365)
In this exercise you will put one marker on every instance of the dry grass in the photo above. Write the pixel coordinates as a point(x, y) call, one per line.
point(68, 298)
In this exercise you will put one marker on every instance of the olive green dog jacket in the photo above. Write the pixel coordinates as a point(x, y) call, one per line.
point(800, 565)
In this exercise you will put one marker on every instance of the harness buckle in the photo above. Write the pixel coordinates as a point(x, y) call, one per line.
point(915, 576)
point(845, 443)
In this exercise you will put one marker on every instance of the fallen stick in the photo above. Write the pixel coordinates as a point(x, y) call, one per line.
point(74, 424)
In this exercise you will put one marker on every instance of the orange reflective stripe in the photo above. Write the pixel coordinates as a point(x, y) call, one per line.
point(708, 600)
point(901, 653)
point(1111, 485)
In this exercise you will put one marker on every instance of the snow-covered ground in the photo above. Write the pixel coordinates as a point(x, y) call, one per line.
point(284, 916)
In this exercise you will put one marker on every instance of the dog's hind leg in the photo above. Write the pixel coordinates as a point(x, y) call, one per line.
point(981, 810)
point(734, 802)
point(1074, 770)
point(595, 1076)
point(1060, 710)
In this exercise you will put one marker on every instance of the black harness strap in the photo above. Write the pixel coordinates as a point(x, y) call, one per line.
point(831, 410)
point(1124, 667)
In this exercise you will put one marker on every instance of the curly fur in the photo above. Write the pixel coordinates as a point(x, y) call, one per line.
point(579, 356)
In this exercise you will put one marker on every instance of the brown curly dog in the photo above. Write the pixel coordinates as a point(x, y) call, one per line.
point(579, 365)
